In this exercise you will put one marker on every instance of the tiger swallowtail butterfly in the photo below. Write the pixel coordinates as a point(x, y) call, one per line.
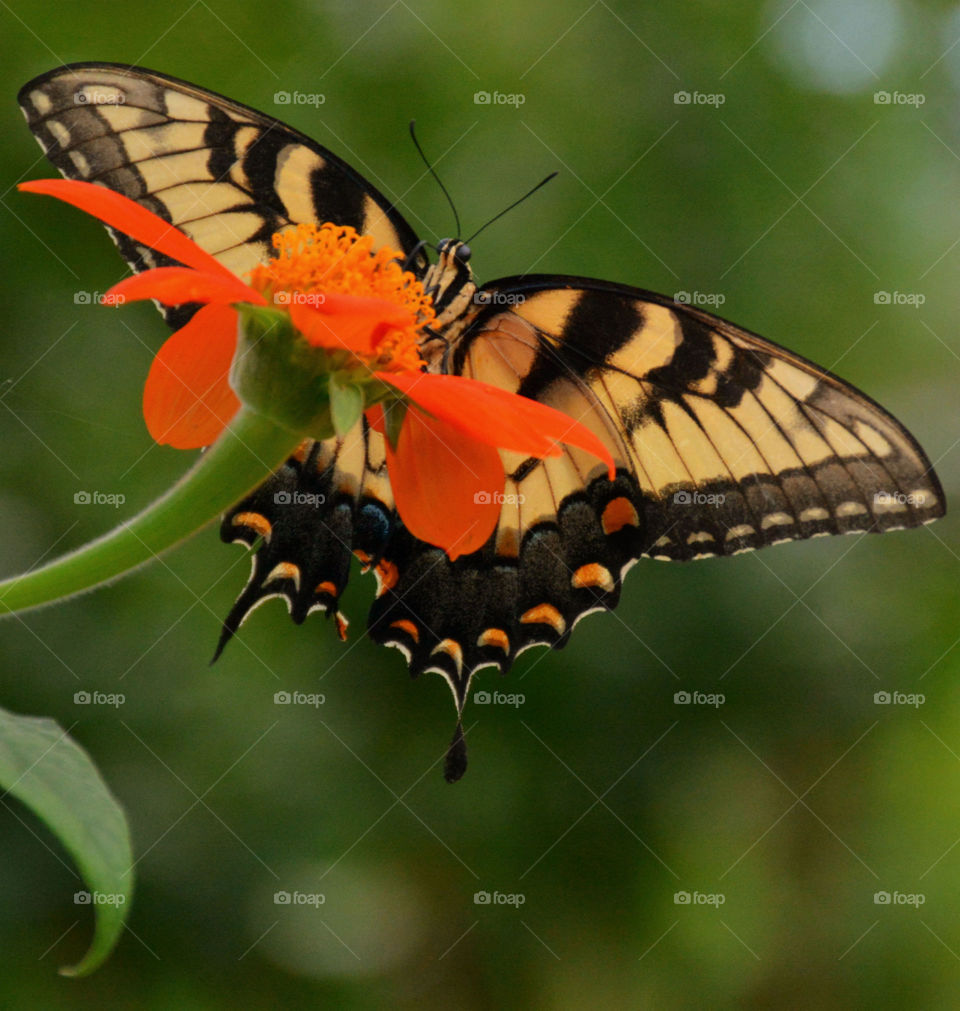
point(724, 442)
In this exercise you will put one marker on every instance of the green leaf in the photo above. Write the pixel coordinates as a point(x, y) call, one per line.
point(346, 404)
point(49, 772)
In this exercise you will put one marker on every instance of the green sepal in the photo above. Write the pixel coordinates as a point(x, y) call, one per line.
point(346, 402)
point(394, 411)
point(278, 374)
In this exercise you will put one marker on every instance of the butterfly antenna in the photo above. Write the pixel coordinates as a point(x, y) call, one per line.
point(497, 217)
point(432, 171)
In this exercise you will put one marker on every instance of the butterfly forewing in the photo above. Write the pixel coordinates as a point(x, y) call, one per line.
point(225, 174)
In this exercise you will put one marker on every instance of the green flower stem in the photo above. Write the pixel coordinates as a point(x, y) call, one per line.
point(251, 449)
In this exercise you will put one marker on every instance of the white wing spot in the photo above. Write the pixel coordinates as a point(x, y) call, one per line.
point(851, 509)
point(699, 536)
point(775, 520)
point(814, 513)
point(741, 530)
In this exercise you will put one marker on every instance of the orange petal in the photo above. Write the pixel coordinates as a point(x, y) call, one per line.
point(446, 486)
point(187, 400)
point(375, 417)
point(125, 215)
point(176, 285)
point(497, 417)
point(354, 322)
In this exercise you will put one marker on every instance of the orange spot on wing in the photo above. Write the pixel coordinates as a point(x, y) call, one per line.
point(342, 624)
point(387, 576)
point(495, 637)
point(544, 614)
point(453, 650)
point(619, 513)
point(256, 522)
point(407, 626)
point(326, 587)
point(364, 558)
point(284, 570)
point(593, 574)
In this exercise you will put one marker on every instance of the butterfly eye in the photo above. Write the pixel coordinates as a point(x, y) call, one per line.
point(463, 253)
point(442, 244)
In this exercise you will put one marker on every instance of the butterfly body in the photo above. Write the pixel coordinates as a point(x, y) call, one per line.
point(724, 442)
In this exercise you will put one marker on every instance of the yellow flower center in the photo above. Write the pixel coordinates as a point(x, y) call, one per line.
point(311, 261)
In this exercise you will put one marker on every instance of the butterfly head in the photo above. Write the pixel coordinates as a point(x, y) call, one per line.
point(456, 249)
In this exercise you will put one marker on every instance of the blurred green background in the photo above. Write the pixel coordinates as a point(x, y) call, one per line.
point(796, 200)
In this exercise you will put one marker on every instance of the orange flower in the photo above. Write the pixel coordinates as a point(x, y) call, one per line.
point(358, 308)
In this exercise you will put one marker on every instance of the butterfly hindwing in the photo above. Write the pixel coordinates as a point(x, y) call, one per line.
point(330, 501)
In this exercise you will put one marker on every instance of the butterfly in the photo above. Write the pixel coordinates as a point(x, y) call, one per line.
point(724, 442)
